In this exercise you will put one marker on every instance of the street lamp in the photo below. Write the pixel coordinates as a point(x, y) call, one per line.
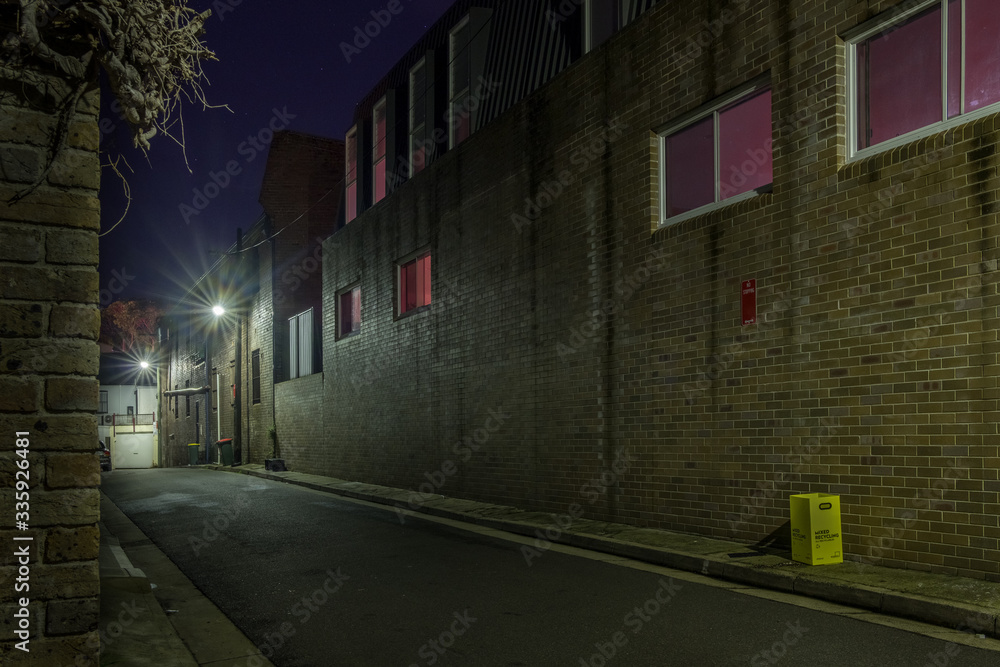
point(218, 311)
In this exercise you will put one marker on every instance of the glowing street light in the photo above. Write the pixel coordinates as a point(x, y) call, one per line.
point(144, 365)
point(219, 311)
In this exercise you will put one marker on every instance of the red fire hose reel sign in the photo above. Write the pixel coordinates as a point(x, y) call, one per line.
point(749, 300)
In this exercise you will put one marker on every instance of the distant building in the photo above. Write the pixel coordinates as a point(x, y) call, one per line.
point(222, 372)
point(127, 412)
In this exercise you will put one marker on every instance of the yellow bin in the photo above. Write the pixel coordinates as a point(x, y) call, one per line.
point(816, 538)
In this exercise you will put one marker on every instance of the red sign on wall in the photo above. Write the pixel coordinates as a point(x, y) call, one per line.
point(749, 300)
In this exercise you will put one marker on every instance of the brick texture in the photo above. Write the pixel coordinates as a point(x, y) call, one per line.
point(48, 363)
point(871, 372)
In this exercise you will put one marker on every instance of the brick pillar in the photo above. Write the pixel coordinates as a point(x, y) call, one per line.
point(49, 325)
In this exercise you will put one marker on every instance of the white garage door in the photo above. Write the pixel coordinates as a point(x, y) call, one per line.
point(133, 450)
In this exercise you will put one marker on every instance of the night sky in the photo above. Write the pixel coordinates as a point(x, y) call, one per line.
point(279, 64)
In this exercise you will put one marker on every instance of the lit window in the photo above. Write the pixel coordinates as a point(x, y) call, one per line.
point(415, 283)
point(351, 175)
point(300, 345)
point(922, 70)
point(459, 85)
point(349, 312)
point(378, 150)
point(719, 155)
point(418, 117)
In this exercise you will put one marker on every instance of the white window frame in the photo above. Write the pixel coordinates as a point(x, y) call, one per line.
point(300, 345)
point(452, 93)
point(711, 109)
point(340, 313)
point(422, 128)
point(352, 135)
point(878, 25)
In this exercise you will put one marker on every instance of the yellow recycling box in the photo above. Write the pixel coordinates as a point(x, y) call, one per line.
point(816, 538)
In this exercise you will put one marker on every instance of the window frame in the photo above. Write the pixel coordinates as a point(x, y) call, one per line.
point(412, 130)
point(102, 402)
point(351, 137)
point(384, 159)
point(453, 95)
point(255, 377)
point(351, 289)
point(884, 23)
point(712, 109)
point(297, 361)
point(401, 265)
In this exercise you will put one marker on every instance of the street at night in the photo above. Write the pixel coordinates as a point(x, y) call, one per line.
point(314, 579)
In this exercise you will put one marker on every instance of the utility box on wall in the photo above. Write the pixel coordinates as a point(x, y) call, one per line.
point(816, 536)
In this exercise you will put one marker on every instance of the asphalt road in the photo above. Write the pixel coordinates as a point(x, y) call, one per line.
point(318, 581)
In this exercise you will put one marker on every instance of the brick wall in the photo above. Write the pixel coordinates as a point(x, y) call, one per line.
point(298, 408)
point(592, 335)
point(49, 325)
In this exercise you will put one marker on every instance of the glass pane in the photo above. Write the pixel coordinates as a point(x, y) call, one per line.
point(902, 80)
point(461, 119)
point(603, 19)
point(346, 313)
point(745, 145)
point(351, 202)
point(954, 58)
point(460, 60)
point(424, 280)
point(379, 170)
point(982, 54)
point(378, 134)
point(408, 287)
point(690, 168)
point(352, 156)
point(417, 157)
point(418, 108)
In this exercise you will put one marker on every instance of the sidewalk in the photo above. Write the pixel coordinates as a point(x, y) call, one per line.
point(968, 605)
point(155, 615)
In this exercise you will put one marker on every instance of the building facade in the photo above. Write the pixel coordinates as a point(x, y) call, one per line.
point(735, 252)
point(222, 371)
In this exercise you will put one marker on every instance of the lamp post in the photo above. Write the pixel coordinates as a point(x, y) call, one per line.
point(218, 311)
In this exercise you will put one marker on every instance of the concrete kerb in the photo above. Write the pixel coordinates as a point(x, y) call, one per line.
point(763, 571)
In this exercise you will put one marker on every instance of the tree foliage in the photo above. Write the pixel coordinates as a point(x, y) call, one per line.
point(130, 325)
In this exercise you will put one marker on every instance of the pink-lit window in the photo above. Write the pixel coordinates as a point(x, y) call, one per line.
point(349, 312)
point(351, 175)
point(459, 85)
point(418, 118)
point(415, 284)
point(378, 151)
point(919, 70)
point(723, 153)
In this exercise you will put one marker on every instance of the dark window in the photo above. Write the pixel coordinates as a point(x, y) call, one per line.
point(104, 403)
point(255, 376)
